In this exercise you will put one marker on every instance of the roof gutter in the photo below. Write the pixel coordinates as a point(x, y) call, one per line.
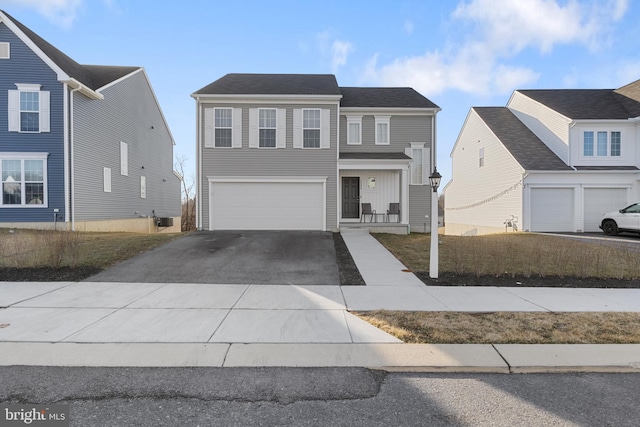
point(86, 91)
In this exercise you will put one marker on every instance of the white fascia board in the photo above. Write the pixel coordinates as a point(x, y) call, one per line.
point(371, 164)
point(590, 172)
point(268, 179)
point(273, 99)
point(89, 93)
point(598, 122)
point(390, 111)
point(61, 75)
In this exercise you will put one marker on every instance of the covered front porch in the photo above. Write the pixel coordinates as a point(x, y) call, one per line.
point(373, 192)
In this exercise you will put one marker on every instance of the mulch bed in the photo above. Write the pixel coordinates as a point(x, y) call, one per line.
point(349, 273)
point(47, 274)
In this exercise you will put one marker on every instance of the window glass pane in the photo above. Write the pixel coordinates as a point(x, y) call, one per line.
point(11, 170)
point(29, 122)
point(588, 143)
point(267, 118)
point(354, 132)
point(268, 138)
point(29, 101)
point(223, 138)
point(602, 143)
point(11, 193)
point(615, 143)
point(311, 138)
point(416, 167)
point(34, 193)
point(223, 118)
point(311, 119)
point(33, 170)
point(383, 135)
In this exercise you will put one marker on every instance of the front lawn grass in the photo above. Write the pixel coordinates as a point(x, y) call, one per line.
point(507, 327)
point(515, 254)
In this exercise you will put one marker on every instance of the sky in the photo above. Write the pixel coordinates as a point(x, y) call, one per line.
point(459, 54)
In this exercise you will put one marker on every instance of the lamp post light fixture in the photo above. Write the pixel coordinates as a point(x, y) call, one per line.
point(434, 180)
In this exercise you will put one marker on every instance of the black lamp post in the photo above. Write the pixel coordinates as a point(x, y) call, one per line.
point(434, 180)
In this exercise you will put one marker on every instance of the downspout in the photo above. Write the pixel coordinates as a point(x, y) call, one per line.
point(73, 181)
point(198, 167)
point(66, 153)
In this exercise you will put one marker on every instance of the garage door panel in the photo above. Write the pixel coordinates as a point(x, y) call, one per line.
point(552, 209)
point(598, 201)
point(267, 206)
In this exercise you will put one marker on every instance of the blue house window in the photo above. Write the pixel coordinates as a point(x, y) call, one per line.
point(29, 109)
point(29, 112)
point(23, 180)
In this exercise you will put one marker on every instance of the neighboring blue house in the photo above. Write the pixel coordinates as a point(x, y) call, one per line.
point(83, 145)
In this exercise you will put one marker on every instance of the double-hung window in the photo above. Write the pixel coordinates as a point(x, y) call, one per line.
point(382, 130)
point(354, 130)
point(23, 179)
point(267, 127)
point(601, 144)
point(311, 128)
point(28, 109)
point(223, 127)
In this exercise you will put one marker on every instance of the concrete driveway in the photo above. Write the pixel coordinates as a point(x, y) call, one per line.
point(234, 257)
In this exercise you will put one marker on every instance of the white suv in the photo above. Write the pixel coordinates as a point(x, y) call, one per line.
point(627, 219)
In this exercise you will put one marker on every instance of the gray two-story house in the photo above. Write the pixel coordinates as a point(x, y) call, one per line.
point(298, 152)
point(82, 147)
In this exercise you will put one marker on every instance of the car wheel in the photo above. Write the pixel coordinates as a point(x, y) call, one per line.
point(610, 228)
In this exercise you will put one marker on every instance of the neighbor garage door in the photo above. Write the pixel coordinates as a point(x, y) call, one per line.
point(552, 209)
point(267, 205)
point(598, 201)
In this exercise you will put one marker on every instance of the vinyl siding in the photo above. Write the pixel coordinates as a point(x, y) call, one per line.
point(551, 127)
point(479, 197)
point(403, 131)
point(260, 162)
point(26, 67)
point(128, 113)
point(419, 207)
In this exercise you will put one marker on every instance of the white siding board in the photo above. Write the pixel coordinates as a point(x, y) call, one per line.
point(551, 127)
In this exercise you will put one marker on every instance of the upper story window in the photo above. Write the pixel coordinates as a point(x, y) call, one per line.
point(5, 50)
point(354, 130)
point(267, 127)
point(23, 179)
point(223, 127)
point(28, 109)
point(417, 169)
point(601, 144)
point(124, 158)
point(481, 157)
point(382, 130)
point(311, 128)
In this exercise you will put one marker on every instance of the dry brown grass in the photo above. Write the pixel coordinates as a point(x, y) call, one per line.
point(507, 327)
point(39, 248)
point(515, 254)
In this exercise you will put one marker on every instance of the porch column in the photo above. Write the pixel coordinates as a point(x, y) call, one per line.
point(404, 189)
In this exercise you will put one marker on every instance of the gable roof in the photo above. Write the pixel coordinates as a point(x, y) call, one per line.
point(92, 76)
point(528, 150)
point(272, 84)
point(581, 104)
point(384, 97)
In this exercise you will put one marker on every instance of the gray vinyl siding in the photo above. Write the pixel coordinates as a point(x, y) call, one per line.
point(403, 131)
point(128, 113)
point(419, 206)
point(261, 162)
point(25, 66)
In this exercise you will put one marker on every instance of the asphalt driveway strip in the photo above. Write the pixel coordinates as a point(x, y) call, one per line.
point(234, 257)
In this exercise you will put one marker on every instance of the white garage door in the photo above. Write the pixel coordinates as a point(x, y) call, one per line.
point(266, 206)
point(552, 209)
point(598, 201)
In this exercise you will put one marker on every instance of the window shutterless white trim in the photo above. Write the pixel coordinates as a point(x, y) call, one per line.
point(5, 50)
point(124, 158)
point(419, 166)
point(143, 187)
point(106, 177)
point(383, 133)
point(481, 157)
point(601, 144)
point(354, 130)
point(23, 181)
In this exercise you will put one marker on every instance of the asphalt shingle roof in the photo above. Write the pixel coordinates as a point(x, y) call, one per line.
point(384, 97)
point(577, 104)
point(273, 84)
point(92, 76)
point(528, 150)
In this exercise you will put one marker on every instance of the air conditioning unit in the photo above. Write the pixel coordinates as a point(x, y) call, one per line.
point(164, 222)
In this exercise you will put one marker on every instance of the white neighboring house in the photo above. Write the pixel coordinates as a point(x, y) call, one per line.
point(557, 160)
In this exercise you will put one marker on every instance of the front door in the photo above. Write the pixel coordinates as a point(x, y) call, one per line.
point(350, 197)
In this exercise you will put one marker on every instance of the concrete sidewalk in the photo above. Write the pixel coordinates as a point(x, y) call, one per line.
point(177, 324)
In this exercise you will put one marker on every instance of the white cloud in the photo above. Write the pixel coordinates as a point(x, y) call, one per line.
point(339, 52)
point(479, 64)
point(62, 12)
point(409, 26)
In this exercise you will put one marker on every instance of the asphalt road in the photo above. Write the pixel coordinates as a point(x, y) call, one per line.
point(324, 396)
point(234, 257)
